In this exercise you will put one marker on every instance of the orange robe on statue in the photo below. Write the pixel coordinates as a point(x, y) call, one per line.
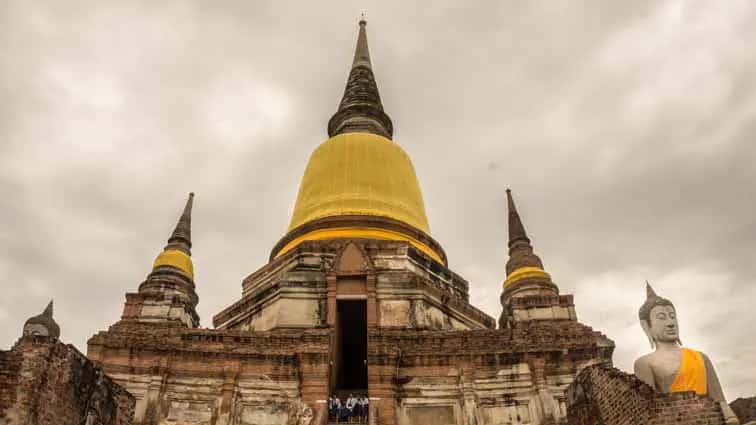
point(692, 373)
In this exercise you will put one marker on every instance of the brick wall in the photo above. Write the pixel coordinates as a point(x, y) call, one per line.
point(514, 375)
point(47, 382)
point(745, 408)
point(10, 365)
point(604, 395)
point(199, 376)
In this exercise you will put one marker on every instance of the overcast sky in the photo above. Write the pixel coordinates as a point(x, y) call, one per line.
point(626, 131)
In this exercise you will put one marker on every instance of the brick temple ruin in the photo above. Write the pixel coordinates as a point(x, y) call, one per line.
point(356, 297)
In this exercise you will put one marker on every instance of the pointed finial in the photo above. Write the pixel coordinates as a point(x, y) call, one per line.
point(363, 20)
point(524, 267)
point(361, 52)
point(516, 229)
point(181, 238)
point(48, 310)
point(520, 250)
point(361, 110)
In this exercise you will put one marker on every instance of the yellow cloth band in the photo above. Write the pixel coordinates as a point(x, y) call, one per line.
point(525, 273)
point(692, 373)
point(359, 232)
point(177, 259)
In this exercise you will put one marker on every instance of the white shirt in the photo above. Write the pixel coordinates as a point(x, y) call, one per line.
point(350, 402)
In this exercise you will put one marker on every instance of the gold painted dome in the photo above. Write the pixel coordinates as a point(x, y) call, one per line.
point(359, 183)
point(360, 174)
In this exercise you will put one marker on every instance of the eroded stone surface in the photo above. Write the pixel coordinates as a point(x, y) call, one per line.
point(602, 395)
point(43, 381)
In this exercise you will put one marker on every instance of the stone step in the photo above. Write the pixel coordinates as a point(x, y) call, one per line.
point(354, 421)
point(346, 422)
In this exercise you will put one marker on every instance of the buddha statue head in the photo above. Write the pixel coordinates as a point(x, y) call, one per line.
point(42, 324)
point(658, 318)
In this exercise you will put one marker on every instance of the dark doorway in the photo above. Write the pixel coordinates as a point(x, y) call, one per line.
point(352, 345)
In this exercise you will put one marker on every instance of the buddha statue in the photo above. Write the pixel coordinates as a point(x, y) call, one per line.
point(42, 324)
point(671, 367)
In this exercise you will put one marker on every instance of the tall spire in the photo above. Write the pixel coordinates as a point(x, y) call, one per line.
point(516, 229)
point(168, 291)
point(361, 52)
point(529, 293)
point(177, 253)
point(520, 250)
point(181, 238)
point(361, 110)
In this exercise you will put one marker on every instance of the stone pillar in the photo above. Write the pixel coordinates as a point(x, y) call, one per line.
point(332, 286)
point(314, 372)
point(331, 321)
point(152, 396)
point(230, 376)
point(467, 384)
point(372, 303)
point(382, 393)
point(546, 399)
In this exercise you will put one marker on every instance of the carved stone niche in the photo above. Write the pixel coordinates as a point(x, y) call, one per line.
point(353, 261)
point(430, 414)
point(263, 414)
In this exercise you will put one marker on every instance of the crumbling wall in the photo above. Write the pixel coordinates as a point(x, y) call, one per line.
point(745, 409)
point(480, 377)
point(183, 376)
point(10, 366)
point(47, 382)
point(607, 396)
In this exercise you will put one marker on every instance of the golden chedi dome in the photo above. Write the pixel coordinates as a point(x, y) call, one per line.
point(359, 183)
point(360, 174)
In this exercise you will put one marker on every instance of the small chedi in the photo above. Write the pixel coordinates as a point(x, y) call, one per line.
point(671, 367)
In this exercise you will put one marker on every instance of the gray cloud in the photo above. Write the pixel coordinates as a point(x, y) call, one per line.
point(625, 131)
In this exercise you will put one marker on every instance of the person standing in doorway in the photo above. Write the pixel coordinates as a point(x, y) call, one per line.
point(365, 403)
point(351, 401)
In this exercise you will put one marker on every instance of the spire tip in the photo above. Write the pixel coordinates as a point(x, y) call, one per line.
point(361, 110)
point(181, 238)
point(650, 293)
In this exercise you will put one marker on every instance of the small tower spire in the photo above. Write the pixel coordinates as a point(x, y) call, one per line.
point(177, 253)
point(169, 288)
point(361, 52)
point(529, 293)
point(520, 250)
point(516, 229)
point(361, 110)
point(181, 238)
